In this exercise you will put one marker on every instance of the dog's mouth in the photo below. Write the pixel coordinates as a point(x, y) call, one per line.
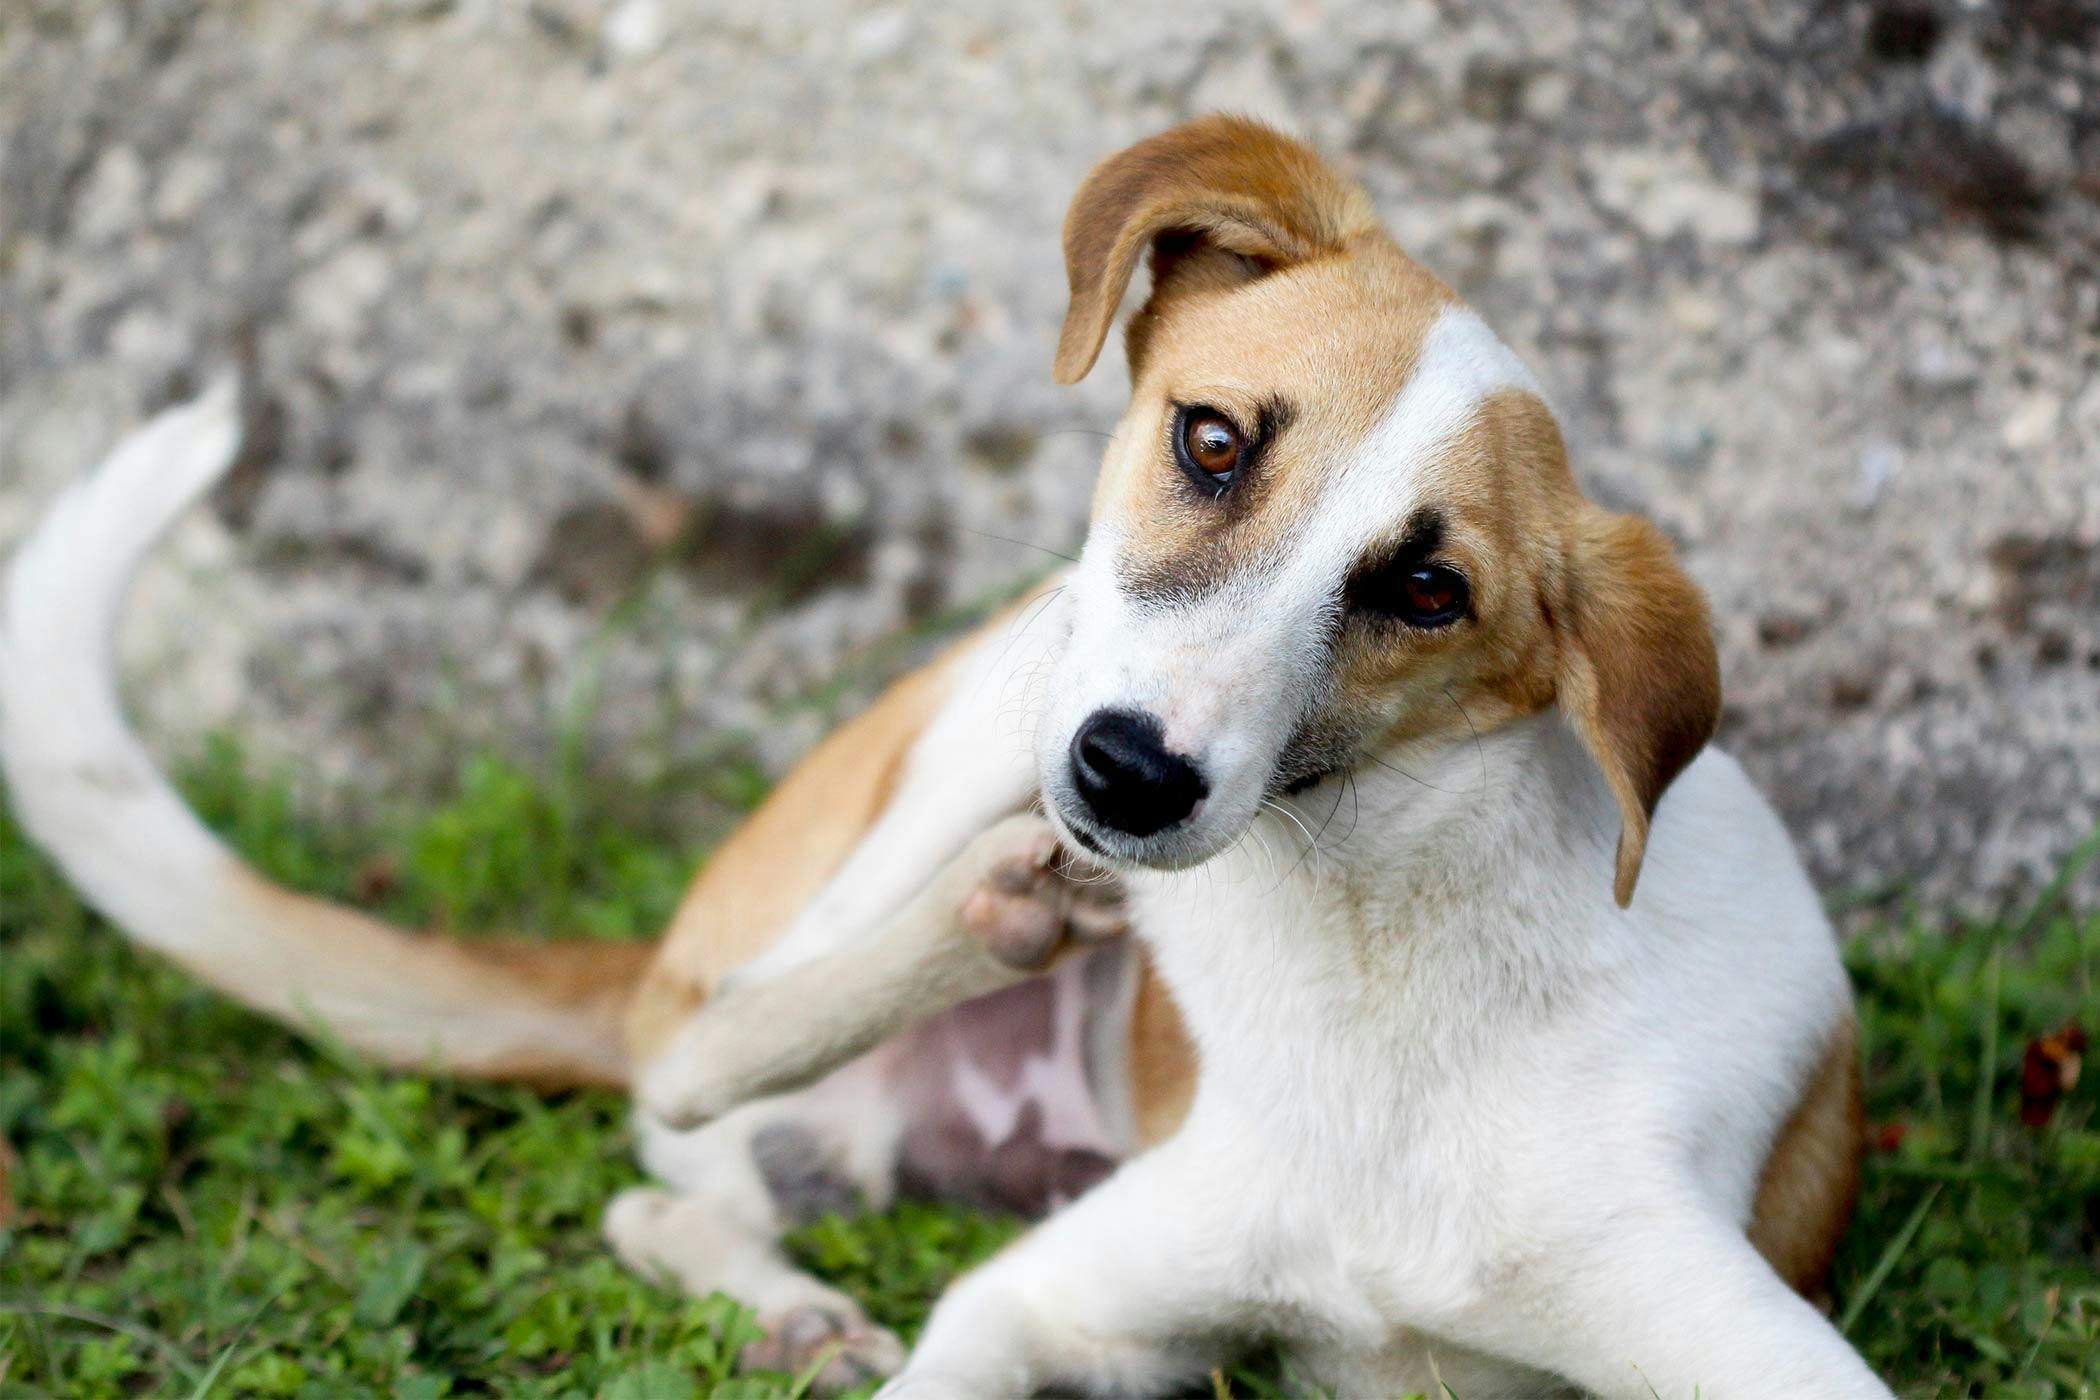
point(1204, 833)
point(1181, 846)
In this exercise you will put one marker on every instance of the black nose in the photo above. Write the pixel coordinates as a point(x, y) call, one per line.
point(1128, 779)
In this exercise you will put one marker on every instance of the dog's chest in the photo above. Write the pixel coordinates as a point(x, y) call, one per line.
point(1370, 1082)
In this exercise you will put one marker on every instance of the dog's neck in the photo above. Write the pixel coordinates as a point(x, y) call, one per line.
point(1477, 874)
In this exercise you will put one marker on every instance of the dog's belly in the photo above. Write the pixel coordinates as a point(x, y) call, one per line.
point(1009, 1099)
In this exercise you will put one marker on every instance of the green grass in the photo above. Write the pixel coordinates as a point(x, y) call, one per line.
point(209, 1205)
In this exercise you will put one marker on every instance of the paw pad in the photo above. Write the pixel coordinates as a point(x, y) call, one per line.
point(1035, 900)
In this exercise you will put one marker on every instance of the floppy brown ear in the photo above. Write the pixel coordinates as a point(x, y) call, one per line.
point(1226, 182)
point(1638, 673)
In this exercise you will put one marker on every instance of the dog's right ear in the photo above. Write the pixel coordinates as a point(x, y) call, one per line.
point(1216, 185)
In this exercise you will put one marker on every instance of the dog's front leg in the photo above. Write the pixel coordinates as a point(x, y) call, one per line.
point(1130, 1291)
point(1672, 1303)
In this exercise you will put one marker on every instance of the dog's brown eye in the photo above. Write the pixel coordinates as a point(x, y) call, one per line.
point(1425, 596)
point(1210, 445)
point(1430, 592)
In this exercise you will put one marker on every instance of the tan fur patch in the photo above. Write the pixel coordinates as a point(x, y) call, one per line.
point(755, 884)
point(1162, 1060)
point(1572, 605)
point(431, 1002)
point(1811, 1179)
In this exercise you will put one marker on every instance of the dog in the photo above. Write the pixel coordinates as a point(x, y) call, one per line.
point(1477, 1025)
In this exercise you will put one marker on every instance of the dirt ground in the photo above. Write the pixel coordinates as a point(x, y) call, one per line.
point(744, 313)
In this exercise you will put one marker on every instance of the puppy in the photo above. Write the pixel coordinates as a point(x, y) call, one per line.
point(1479, 1027)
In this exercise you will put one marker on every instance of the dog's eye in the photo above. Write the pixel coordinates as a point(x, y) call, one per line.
point(1210, 447)
point(1434, 596)
point(1420, 595)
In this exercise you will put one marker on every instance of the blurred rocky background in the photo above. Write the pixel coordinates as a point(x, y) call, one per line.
point(662, 374)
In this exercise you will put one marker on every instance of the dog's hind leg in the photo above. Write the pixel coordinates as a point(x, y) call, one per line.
point(734, 1187)
point(996, 915)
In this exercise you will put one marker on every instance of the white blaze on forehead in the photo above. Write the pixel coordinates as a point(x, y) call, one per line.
point(1461, 365)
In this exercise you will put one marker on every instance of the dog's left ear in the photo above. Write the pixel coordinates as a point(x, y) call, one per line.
point(1638, 674)
point(1216, 184)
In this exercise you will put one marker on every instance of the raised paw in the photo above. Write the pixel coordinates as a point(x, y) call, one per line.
point(852, 1350)
point(1036, 897)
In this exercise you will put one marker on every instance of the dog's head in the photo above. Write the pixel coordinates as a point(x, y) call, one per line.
point(1337, 517)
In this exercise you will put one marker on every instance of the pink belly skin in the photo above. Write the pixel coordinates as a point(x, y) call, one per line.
point(1003, 1095)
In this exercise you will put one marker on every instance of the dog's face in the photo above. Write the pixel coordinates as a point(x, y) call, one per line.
point(1337, 517)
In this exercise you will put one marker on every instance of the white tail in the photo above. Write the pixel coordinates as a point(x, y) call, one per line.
point(88, 793)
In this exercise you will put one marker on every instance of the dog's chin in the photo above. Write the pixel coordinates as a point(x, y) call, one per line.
point(1180, 847)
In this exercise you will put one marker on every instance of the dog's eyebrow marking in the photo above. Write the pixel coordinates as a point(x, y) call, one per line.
point(1271, 418)
point(1422, 536)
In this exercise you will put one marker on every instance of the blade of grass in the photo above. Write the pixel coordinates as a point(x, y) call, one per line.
point(1987, 1064)
point(93, 1318)
point(2027, 1361)
point(226, 1353)
point(1891, 1256)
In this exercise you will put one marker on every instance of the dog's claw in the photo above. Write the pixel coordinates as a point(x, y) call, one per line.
point(858, 1350)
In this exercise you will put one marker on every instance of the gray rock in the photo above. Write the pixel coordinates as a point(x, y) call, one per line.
point(744, 313)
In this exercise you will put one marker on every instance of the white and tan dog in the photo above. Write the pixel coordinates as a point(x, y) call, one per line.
point(1480, 1027)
